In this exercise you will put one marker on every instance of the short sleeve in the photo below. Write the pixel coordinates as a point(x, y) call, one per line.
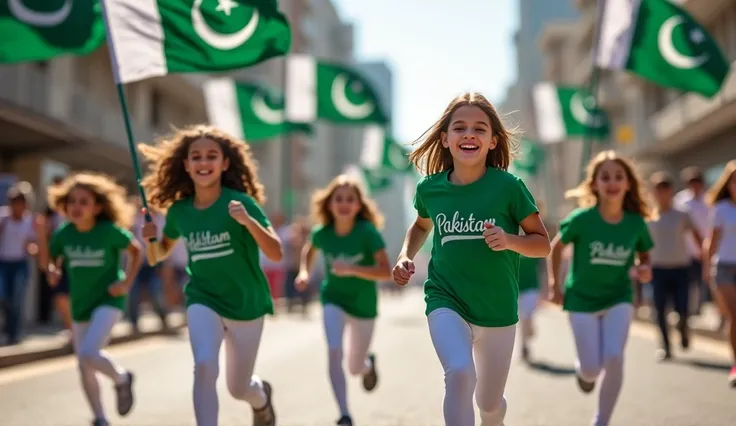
point(522, 204)
point(644, 242)
point(569, 228)
point(255, 211)
point(419, 203)
point(316, 236)
point(120, 238)
point(373, 239)
point(171, 231)
point(56, 243)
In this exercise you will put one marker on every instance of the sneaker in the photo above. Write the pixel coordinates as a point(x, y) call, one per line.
point(732, 377)
point(586, 387)
point(345, 421)
point(370, 379)
point(100, 422)
point(124, 393)
point(265, 416)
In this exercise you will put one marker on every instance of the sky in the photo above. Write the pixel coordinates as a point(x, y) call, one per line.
point(437, 50)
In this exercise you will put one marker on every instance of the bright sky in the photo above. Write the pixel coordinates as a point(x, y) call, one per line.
point(437, 49)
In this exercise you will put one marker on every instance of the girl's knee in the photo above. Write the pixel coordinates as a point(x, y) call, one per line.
point(589, 372)
point(460, 377)
point(357, 365)
point(87, 355)
point(206, 370)
point(613, 362)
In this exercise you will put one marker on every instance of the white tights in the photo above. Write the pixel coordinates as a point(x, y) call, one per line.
point(89, 339)
point(600, 339)
point(206, 333)
point(361, 334)
point(474, 359)
point(527, 305)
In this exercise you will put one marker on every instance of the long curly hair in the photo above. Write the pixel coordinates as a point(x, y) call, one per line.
point(636, 198)
point(321, 202)
point(167, 180)
point(719, 191)
point(112, 197)
point(431, 157)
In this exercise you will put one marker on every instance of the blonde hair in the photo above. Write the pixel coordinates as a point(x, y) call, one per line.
point(167, 180)
point(636, 197)
point(431, 157)
point(719, 191)
point(112, 197)
point(321, 202)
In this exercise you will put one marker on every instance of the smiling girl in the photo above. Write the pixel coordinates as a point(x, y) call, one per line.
point(88, 248)
point(207, 181)
point(609, 235)
point(355, 258)
point(472, 288)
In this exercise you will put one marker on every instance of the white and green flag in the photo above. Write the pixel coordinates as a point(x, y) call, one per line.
point(331, 92)
point(372, 180)
point(150, 38)
point(662, 43)
point(380, 151)
point(38, 30)
point(247, 111)
point(565, 112)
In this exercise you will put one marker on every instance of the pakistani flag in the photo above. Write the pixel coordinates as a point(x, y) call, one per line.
point(372, 180)
point(150, 38)
point(380, 151)
point(336, 93)
point(659, 41)
point(530, 158)
point(38, 30)
point(565, 112)
point(247, 111)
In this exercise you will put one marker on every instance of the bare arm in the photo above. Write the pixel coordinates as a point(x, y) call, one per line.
point(378, 272)
point(266, 238)
point(535, 242)
point(135, 260)
point(307, 258)
point(554, 261)
point(710, 247)
point(690, 226)
point(415, 237)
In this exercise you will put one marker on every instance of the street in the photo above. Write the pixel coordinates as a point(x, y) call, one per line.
point(691, 391)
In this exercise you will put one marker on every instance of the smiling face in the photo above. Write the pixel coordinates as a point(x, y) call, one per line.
point(344, 203)
point(469, 136)
point(205, 163)
point(81, 206)
point(611, 183)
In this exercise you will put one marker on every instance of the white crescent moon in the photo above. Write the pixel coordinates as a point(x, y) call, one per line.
point(343, 104)
point(581, 114)
point(396, 157)
point(40, 19)
point(218, 40)
point(667, 48)
point(264, 112)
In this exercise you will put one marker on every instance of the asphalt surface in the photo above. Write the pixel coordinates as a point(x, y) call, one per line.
point(690, 391)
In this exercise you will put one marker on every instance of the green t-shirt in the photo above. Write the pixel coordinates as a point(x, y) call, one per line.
point(224, 269)
point(92, 264)
point(356, 296)
point(603, 253)
point(465, 275)
point(529, 273)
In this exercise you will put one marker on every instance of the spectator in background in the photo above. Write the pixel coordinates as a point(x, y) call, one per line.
point(17, 244)
point(276, 271)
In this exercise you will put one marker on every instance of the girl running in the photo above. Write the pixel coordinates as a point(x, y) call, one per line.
point(207, 180)
point(88, 247)
point(355, 258)
point(609, 235)
point(472, 287)
point(719, 250)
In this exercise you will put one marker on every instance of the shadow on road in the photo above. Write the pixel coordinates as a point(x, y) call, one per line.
point(708, 365)
point(550, 368)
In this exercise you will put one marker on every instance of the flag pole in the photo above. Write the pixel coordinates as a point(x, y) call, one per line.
point(593, 85)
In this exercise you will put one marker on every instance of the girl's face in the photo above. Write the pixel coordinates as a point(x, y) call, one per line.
point(205, 162)
point(81, 206)
point(469, 136)
point(344, 203)
point(611, 182)
point(663, 195)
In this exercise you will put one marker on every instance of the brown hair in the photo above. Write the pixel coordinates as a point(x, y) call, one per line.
point(321, 202)
point(719, 191)
point(167, 180)
point(431, 157)
point(112, 197)
point(635, 199)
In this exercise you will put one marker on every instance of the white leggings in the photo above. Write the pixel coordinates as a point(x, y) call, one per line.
point(600, 339)
point(89, 339)
point(527, 305)
point(206, 332)
point(474, 359)
point(361, 334)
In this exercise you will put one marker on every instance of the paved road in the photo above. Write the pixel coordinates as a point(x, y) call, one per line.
point(690, 392)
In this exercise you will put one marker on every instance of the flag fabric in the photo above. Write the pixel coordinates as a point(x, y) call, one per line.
point(662, 43)
point(530, 158)
point(380, 151)
point(564, 112)
point(371, 180)
point(38, 30)
point(331, 92)
point(247, 111)
point(150, 38)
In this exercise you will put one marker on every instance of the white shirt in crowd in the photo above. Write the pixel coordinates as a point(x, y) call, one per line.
point(700, 215)
point(724, 218)
point(14, 234)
